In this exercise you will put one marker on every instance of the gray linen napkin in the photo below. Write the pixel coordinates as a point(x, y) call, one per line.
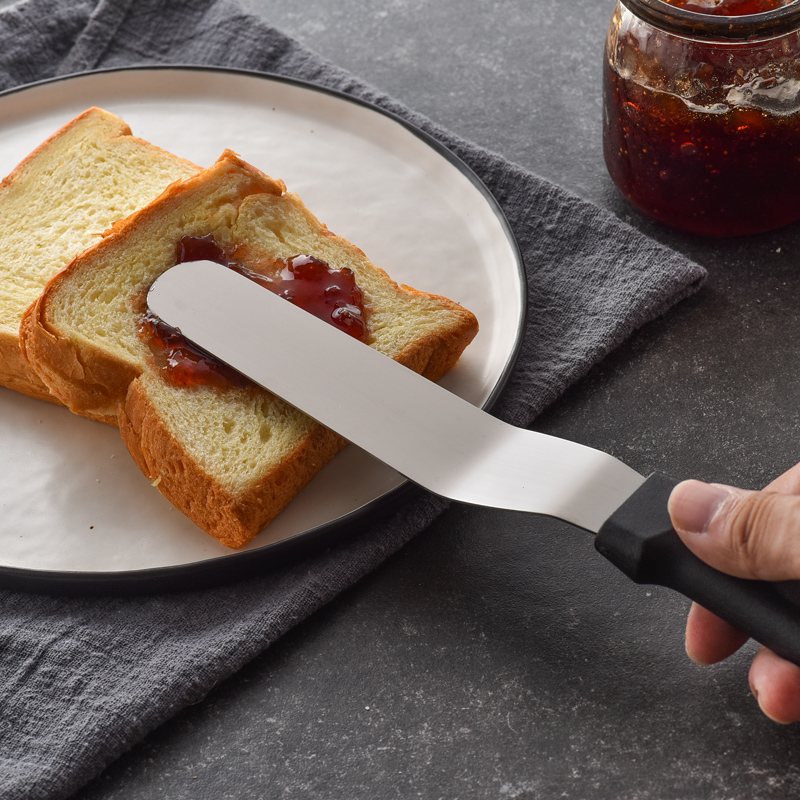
point(81, 680)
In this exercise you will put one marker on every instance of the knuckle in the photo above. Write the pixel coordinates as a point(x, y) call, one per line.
point(755, 524)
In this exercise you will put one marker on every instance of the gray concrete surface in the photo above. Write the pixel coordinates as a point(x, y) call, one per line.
point(497, 656)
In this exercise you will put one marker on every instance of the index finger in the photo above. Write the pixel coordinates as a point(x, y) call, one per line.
point(710, 639)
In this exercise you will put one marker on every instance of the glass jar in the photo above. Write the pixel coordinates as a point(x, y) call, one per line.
point(702, 112)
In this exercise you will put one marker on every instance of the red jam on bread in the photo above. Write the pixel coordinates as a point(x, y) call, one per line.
point(330, 294)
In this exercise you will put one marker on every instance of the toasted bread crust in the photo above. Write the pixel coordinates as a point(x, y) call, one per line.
point(102, 381)
point(84, 379)
point(16, 373)
point(233, 519)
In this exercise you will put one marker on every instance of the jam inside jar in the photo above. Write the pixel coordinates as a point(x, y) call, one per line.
point(701, 125)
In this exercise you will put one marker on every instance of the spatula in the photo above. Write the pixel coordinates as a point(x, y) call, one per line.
point(456, 450)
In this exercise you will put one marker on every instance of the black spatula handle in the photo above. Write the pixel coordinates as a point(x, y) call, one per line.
point(639, 540)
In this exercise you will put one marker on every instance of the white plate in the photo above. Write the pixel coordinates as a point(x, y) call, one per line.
point(73, 505)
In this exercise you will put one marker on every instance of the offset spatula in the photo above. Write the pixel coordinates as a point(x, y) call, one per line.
point(454, 449)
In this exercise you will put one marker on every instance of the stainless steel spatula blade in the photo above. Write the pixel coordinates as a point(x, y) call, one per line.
point(426, 433)
point(452, 448)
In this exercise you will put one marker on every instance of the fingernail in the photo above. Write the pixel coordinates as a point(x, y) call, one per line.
point(693, 504)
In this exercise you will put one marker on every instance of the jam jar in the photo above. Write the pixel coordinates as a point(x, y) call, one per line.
point(701, 125)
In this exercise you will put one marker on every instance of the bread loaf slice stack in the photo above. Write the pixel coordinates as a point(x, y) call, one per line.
point(230, 459)
point(58, 202)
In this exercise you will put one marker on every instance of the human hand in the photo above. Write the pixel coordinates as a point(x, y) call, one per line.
point(749, 535)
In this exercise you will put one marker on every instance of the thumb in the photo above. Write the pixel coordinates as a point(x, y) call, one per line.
point(746, 534)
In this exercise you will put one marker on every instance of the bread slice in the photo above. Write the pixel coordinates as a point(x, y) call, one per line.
point(230, 459)
point(56, 203)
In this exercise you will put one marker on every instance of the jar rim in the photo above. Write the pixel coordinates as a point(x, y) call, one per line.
point(681, 21)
